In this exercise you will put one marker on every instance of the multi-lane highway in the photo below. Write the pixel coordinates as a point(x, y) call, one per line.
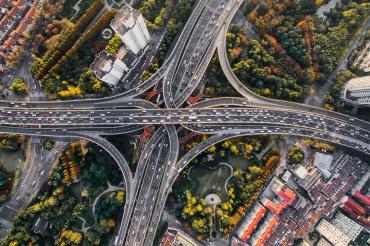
point(89, 118)
point(180, 75)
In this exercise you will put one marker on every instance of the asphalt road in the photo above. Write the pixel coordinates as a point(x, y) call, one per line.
point(181, 73)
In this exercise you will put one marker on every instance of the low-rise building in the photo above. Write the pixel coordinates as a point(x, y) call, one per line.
point(15, 21)
point(332, 234)
point(286, 195)
point(264, 230)
point(175, 237)
point(251, 221)
point(306, 177)
point(347, 226)
point(323, 163)
point(363, 59)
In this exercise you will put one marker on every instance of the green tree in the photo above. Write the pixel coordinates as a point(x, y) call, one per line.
point(295, 155)
point(114, 44)
point(19, 87)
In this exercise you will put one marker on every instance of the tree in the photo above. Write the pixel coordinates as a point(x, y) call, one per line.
point(234, 149)
point(111, 223)
point(114, 44)
point(68, 237)
point(93, 237)
point(256, 171)
point(212, 149)
point(295, 155)
point(48, 144)
point(11, 142)
point(6, 182)
point(19, 87)
point(67, 38)
point(107, 206)
point(71, 91)
point(200, 226)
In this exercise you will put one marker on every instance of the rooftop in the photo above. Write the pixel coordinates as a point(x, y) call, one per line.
point(301, 172)
point(126, 56)
point(102, 64)
point(332, 234)
point(251, 221)
point(108, 68)
point(175, 237)
point(323, 163)
point(357, 91)
point(125, 19)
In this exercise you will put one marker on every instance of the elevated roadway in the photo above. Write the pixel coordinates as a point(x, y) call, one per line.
point(223, 118)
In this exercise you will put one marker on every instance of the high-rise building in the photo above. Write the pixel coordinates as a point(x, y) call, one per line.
point(113, 68)
point(109, 68)
point(130, 26)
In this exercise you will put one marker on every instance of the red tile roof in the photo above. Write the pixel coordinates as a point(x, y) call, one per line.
point(253, 224)
point(267, 231)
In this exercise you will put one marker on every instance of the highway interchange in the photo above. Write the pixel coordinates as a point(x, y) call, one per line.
point(180, 75)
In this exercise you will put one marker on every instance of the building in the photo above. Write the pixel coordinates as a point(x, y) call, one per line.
point(306, 177)
point(109, 68)
point(275, 206)
point(364, 199)
point(332, 234)
point(286, 195)
point(175, 237)
point(127, 57)
point(16, 18)
point(347, 226)
point(323, 163)
point(300, 171)
point(352, 204)
point(356, 92)
point(130, 26)
point(363, 59)
point(251, 221)
point(323, 242)
point(264, 230)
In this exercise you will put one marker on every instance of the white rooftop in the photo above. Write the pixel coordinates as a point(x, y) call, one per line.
point(323, 163)
point(301, 172)
point(357, 90)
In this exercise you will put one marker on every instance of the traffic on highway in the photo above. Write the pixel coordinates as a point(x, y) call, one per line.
point(180, 75)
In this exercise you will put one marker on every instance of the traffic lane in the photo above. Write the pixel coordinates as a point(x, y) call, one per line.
point(207, 116)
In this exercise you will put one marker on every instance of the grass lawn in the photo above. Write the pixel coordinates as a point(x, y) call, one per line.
point(238, 162)
point(76, 190)
point(210, 180)
point(11, 160)
point(89, 217)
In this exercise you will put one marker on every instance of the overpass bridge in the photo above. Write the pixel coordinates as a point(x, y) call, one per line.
point(180, 75)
